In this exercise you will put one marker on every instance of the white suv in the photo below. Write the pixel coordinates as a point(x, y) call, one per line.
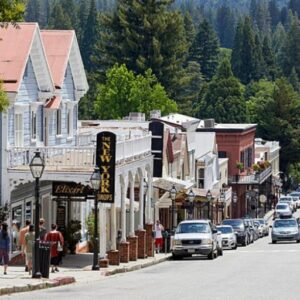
point(195, 237)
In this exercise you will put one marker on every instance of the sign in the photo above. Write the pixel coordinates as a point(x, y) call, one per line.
point(61, 216)
point(106, 162)
point(70, 189)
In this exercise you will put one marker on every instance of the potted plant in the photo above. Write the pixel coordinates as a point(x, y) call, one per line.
point(256, 167)
point(73, 235)
point(239, 165)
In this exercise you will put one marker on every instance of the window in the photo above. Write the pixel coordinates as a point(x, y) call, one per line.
point(33, 125)
point(18, 130)
point(201, 178)
point(70, 122)
point(58, 122)
point(222, 154)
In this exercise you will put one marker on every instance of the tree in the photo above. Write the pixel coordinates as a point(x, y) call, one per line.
point(125, 92)
point(294, 6)
point(144, 35)
point(11, 11)
point(33, 11)
point(274, 13)
point(83, 13)
point(4, 102)
point(223, 98)
point(70, 10)
point(271, 69)
point(205, 50)
point(294, 80)
point(58, 19)
point(225, 23)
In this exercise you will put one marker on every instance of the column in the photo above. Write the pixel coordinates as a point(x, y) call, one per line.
point(124, 245)
point(132, 239)
point(132, 209)
point(141, 210)
point(113, 254)
point(149, 199)
point(102, 229)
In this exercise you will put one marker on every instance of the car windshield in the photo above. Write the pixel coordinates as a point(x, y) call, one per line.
point(285, 223)
point(193, 228)
point(261, 221)
point(224, 229)
point(281, 206)
point(236, 224)
point(256, 223)
point(285, 199)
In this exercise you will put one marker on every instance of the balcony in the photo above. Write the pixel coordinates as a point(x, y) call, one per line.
point(79, 158)
point(257, 178)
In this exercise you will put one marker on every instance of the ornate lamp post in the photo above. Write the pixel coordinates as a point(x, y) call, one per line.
point(191, 197)
point(222, 199)
point(234, 200)
point(37, 167)
point(173, 193)
point(209, 197)
point(95, 183)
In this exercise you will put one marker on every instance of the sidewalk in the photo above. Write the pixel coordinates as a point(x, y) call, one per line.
point(75, 268)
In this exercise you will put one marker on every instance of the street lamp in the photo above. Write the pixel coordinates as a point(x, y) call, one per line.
point(191, 197)
point(222, 199)
point(209, 197)
point(234, 199)
point(173, 193)
point(37, 166)
point(95, 182)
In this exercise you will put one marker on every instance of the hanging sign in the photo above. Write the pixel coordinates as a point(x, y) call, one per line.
point(106, 162)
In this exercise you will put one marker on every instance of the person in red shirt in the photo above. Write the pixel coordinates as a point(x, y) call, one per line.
point(57, 241)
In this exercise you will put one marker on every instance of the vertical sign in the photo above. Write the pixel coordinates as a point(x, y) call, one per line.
point(157, 129)
point(106, 162)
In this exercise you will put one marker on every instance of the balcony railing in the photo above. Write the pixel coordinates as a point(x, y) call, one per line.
point(79, 157)
point(257, 178)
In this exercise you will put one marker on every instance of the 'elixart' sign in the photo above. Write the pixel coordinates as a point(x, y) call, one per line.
point(106, 160)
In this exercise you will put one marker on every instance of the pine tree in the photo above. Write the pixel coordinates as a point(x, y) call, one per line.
point(70, 10)
point(83, 13)
point(259, 66)
point(225, 23)
point(59, 20)
point(90, 36)
point(33, 11)
point(205, 50)
point(271, 69)
point(294, 6)
point(274, 13)
point(189, 29)
point(294, 80)
point(223, 98)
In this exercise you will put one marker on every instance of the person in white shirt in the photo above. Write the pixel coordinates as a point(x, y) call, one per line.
point(158, 236)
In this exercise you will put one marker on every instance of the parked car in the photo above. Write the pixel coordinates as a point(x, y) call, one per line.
point(259, 228)
point(285, 230)
point(228, 236)
point(296, 198)
point(282, 209)
point(253, 232)
point(265, 226)
point(195, 237)
point(240, 229)
point(290, 201)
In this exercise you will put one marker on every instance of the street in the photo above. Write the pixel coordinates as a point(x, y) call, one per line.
point(259, 271)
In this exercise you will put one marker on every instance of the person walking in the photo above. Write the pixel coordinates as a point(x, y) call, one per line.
point(4, 246)
point(158, 236)
point(29, 242)
point(23, 231)
point(57, 242)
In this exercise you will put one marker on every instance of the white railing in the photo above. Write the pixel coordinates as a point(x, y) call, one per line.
point(80, 156)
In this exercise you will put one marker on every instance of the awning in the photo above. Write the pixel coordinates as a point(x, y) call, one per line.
point(167, 183)
point(53, 103)
point(164, 201)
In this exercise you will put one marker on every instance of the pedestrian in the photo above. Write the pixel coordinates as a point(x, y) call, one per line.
point(23, 231)
point(4, 246)
point(29, 242)
point(15, 234)
point(57, 243)
point(42, 230)
point(158, 236)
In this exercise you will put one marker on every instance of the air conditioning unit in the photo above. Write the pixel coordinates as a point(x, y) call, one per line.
point(209, 123)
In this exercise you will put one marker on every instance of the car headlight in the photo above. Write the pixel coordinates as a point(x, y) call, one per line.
point(207, 241)
point(177, 242)
point(231, 238)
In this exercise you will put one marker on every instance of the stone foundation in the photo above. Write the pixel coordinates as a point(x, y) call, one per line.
point(149, 240)
point(141, 234)
point(113, 257)
point(133, 247)
point(124, 252)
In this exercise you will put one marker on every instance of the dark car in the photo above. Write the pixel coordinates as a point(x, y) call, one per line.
point(241, 230)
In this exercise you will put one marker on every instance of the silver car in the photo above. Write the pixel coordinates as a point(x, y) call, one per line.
point(282, 209)
point(264, 225)
point(285, 230)
point(228, 236)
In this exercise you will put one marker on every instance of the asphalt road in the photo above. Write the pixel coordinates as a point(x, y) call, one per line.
point(259, 271)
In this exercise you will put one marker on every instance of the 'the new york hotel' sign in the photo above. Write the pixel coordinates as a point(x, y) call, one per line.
point(106, 161)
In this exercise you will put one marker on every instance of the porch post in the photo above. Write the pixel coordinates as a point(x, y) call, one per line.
point(141, 205)
point(113, 227)
point(123, 213)
point(102, 231)
point(132, 233)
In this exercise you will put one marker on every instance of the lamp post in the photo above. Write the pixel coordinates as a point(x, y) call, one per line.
point(37, 166)
point(222, 199)
point(95, 182)
point(173, 193)
point(234, 200)
point(191, 197)
point(209, 197)
point(247, 202)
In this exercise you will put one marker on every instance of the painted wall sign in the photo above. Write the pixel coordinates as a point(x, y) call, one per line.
point(106, 162)
point(70, 189)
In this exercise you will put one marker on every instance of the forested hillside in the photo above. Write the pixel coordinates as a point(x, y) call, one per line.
point(235, 61)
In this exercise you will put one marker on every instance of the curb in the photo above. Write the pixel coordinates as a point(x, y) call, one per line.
point(37, 285)
point(136, 267)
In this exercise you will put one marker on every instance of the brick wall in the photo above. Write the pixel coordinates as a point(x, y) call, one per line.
point(124, 252)
point(149, 240)
point(133, 247)
point(113, 257)
point(141, 234)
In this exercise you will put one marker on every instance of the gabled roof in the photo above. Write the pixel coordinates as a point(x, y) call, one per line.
point(61, 48)
point(16, 44)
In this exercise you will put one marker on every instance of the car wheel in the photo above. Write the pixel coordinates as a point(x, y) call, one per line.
point(211, 255)
point(298, 241)
point(235, 247)
point(274, 242)
point(220, 252)
point(177, 257)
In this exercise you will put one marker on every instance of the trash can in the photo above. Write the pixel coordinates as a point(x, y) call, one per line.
point(45, 250)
